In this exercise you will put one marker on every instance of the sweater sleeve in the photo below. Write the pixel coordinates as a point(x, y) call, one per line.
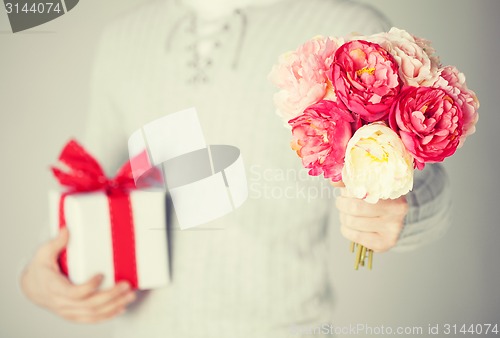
point(429, 214)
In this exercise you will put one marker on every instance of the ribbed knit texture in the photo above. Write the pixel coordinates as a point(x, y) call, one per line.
point(267, 270)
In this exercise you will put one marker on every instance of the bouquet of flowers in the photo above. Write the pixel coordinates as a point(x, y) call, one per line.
point(367, 110)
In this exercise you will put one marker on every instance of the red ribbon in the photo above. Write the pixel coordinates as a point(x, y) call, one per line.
point(85, 174)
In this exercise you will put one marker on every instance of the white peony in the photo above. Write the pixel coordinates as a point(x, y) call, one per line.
point(377, 164)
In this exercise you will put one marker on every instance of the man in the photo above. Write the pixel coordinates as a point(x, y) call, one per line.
point(266, 272)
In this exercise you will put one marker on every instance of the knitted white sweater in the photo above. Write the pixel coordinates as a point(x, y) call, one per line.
point(267, 270)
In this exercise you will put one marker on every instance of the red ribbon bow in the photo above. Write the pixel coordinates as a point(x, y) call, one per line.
point(85, 174)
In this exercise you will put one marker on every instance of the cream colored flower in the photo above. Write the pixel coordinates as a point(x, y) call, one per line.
point(377, 164)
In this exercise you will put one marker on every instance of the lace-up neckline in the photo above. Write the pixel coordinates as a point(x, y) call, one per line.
point(206, 45)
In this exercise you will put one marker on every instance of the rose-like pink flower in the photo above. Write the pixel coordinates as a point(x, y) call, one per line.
point(417, 64)
point(365, 78)
point(426, 45)
point(429, 122)
point(320, 137)
point(453, 82)
point(302, 78)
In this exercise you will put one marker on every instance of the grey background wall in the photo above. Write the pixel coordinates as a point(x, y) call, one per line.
point(44, 75)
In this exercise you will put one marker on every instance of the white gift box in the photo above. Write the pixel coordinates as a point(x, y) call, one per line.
point(90, 248)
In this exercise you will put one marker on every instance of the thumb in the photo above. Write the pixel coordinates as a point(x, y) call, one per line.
point(57, 244)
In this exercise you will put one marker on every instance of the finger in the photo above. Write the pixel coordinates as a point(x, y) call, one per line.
point(368, 239)
point(364, 224)
point(53, 247)
point(386, 207)
point(357, 207)
point(57, 244)
point(116, 304)
point(55, 293)
point(380, 225)
point(79, 317)
point(371, 240)
point(66, 295)
point(102, 305)
point(94, 299)
point(58, 285)
point(103, 298)
point(85, 290)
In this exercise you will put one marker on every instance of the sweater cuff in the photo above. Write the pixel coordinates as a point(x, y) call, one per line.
point(429, 214)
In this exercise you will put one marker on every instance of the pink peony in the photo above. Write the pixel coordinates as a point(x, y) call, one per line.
point(417, 64)
point(320, 137)
point(302, 78)
point(366, 79)
point(428, 49)
point(453, 82)
point(429, 122)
